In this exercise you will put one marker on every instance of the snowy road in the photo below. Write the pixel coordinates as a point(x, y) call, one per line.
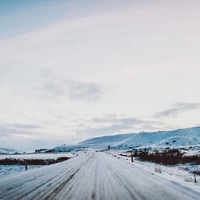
point(91, 176)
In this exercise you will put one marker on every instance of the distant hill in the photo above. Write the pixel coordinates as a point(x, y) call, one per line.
point(7, 151)
point(103, 142)
point(181, 138)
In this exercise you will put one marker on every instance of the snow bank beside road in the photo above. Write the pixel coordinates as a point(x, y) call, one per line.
point(180, 173)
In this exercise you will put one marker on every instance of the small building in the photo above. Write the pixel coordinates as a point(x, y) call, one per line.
point(41, 150)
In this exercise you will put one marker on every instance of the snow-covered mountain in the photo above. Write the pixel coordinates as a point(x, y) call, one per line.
point(7, 151)
point(103, 142)
point(189, 138)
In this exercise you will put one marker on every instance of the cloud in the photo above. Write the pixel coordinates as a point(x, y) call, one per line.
point(73, 89)
point(127, 120)
point(18, 130)
point(24, 126)
point(108, 118)
point(177, 109)
point(54, 89)
point(132, 121)
point(31, 144)
point(83, 90)
point(107, 130)
point(25, 137)
point(117, 125)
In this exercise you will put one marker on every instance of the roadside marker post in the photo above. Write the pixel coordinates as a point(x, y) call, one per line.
point(26, 166)
point(131, 156)
point(195, 180)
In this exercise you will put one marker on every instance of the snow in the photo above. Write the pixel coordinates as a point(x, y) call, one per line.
point(100, 175)
point(183, 138)
point(95, 175)
point(103, 142)
point(38, 156)
point(181, 173)
point(10, 169)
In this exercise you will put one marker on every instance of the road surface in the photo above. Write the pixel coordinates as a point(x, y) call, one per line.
point(92, 176)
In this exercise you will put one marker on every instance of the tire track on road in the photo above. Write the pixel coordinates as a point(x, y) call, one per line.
point(60, 187)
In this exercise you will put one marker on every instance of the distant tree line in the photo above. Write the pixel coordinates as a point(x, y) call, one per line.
point(13, 161)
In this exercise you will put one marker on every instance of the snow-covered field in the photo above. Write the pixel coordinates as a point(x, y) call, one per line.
point(95, 176)
point(37, 156)
point(10, 169)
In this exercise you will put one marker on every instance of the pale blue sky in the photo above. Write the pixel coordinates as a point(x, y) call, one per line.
point(72, 70)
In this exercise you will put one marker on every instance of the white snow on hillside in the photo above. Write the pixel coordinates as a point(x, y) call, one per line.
point(103, 142)
point(189, 138)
